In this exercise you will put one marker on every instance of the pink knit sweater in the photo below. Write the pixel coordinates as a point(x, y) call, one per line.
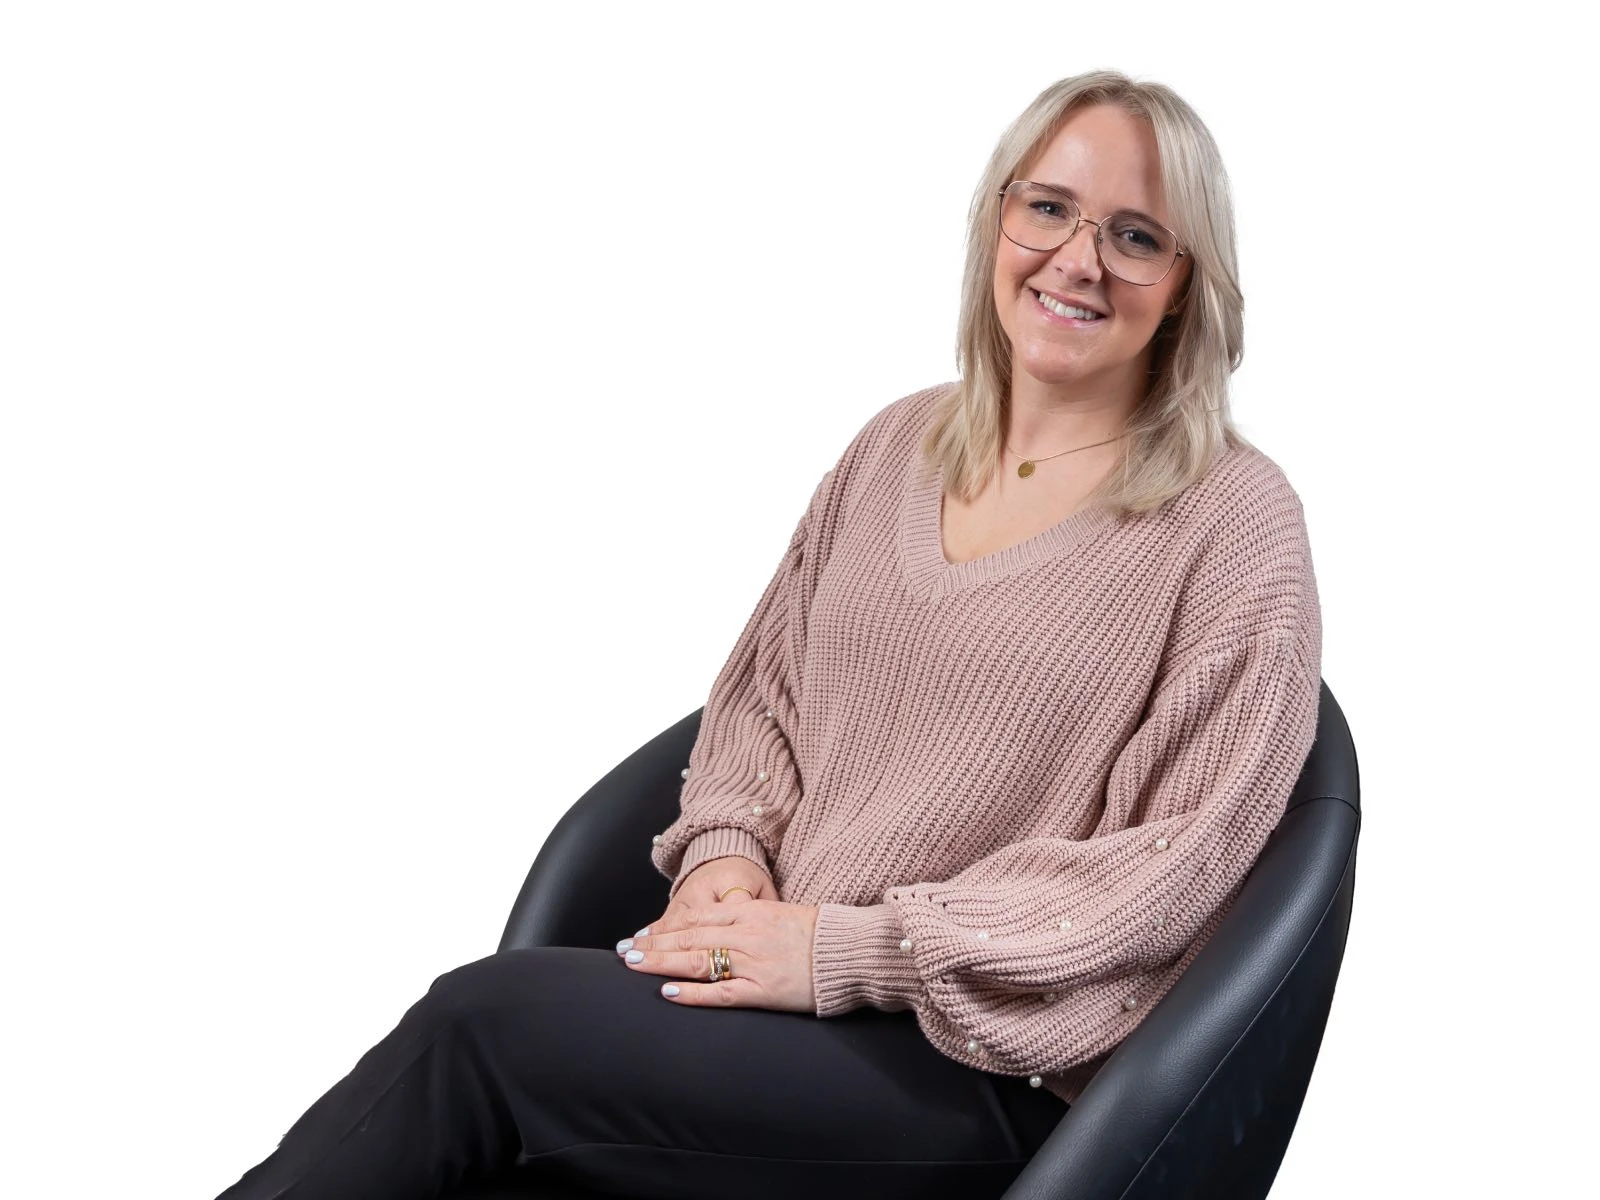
point(1023, 790)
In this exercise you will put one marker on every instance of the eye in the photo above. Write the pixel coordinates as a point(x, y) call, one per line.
point(1043, 206)
point(1137, 237)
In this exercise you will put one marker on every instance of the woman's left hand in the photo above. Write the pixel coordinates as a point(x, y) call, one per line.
point(769, 942)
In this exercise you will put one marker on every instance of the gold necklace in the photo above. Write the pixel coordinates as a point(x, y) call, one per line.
point(1025, 467)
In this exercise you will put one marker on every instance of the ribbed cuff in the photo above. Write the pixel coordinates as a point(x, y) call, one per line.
point(718, 843)
point(857, 962)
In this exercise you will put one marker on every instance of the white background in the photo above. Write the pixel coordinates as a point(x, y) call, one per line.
point(361, 503)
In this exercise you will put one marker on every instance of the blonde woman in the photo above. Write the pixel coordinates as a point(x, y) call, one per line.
point(1027, 693)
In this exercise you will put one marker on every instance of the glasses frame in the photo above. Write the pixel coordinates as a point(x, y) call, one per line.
point(1099, 234)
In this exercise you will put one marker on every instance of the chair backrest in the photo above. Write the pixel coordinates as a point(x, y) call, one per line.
point(593, 875)
point(1198, 1101)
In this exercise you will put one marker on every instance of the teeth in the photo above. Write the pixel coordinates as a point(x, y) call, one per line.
point(1055, 306)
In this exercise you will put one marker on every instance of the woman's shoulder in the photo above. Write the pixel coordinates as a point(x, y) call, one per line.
point(1242, 489)
point(890, 434)
point(907, 415)
point(1240, 556)
point(1240, 525)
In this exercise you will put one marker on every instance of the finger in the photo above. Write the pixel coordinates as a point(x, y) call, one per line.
point(685, 964)
point(678, 932)
point(665, 923)
point(654, 926)
point(678, 955)
point(707, 914)
point(646, 950)
point(673, 918)
point(726, 993)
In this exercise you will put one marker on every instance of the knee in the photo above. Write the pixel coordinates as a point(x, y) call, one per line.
point(494, 981)
point(464, 989)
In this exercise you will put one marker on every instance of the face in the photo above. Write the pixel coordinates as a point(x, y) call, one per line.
point(1107, 158)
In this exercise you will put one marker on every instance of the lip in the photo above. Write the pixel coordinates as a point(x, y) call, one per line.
point(1069, 322)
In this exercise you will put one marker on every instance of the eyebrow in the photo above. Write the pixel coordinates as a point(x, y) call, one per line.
point(1066, 191)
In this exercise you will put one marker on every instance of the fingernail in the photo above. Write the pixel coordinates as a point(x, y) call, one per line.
point(645, 932)
point(624, 944)
point(634, 956)
point(670, 989)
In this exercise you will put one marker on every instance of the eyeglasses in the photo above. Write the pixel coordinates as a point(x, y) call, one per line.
point(1037, 216)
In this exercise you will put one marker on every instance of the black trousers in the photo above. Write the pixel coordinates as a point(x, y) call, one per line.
point(564, 1063)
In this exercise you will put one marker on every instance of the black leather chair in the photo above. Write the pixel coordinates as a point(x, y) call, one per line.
point(1198, 1101)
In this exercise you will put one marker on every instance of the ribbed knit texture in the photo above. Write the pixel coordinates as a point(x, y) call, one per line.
point(1023, 790)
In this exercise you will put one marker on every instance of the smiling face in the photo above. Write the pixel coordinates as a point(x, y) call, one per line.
point(1107, 159)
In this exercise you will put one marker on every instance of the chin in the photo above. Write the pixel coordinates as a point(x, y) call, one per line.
point(1055, 369)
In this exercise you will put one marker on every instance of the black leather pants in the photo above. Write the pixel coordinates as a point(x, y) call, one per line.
point(563, 1063)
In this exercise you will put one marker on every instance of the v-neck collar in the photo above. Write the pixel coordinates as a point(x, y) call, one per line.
point(922, 539)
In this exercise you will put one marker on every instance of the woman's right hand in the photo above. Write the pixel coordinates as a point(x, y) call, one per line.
point(703, 885)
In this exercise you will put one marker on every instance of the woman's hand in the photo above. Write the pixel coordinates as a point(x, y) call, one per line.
point(769, 941)
point(707, 883)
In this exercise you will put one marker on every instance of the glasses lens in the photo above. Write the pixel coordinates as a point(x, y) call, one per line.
point(1037, 218)
point(1137, 250)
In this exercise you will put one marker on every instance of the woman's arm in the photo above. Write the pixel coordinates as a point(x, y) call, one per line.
point(743, 782)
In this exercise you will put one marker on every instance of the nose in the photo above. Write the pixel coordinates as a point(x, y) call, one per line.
point(1079, 257)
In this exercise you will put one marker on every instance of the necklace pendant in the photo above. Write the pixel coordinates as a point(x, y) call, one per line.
point(1025, 468)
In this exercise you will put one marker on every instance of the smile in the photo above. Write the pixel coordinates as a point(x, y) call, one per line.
point(1051, 305)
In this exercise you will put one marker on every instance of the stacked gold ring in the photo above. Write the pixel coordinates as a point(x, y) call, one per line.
point(721, 963)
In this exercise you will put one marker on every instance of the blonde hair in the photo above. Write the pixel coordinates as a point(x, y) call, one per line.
point(1183, 418)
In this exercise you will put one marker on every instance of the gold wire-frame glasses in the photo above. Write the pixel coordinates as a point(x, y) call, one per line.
point(1143, 251)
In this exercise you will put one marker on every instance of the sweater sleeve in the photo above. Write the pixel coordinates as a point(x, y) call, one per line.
point(743, 782)
point(1047, 952)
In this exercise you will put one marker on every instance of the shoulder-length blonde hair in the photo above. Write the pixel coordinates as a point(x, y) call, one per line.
point(1184, 417)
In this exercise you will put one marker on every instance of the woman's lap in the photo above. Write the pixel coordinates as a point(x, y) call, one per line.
point(564, 1061)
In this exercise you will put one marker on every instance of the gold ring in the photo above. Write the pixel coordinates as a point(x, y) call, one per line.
point(739, 887)
point(721, 964)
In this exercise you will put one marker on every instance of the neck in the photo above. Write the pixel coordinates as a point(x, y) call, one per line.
point(1044, 419)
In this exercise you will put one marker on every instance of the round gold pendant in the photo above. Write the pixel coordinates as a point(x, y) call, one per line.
point(1025, 469)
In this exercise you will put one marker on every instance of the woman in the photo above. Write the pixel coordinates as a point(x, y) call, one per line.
point(987, 765)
